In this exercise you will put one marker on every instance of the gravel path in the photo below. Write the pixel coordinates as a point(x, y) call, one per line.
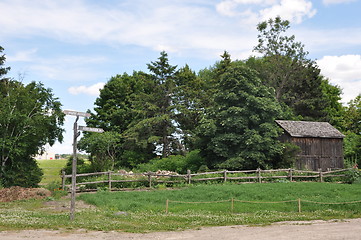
point(325, 230)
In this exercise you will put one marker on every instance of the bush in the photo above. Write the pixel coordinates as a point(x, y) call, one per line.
point(176, 163)
point(24, 174)
point(81, 166)
point(352, 176)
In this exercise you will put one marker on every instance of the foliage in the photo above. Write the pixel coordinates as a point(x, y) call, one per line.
point(175, 163)
point(334, 109)
point(30, 118)
point(156, 125)
point(284, 66)
point(288, 157)
point(352, 176)
point(352, 141)
point(352, 148)
point(190, 99)
point(81, 167)
point(353, 115)
point(24, 172)
point(116, 112)
point(239, 130)
point(103, 148)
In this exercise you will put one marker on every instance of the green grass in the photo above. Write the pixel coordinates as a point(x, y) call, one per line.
point(145, 211)
point(51, 169)
point(265, 192)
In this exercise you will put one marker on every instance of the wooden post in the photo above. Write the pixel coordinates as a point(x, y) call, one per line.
point(63, 179)
point(166, 206)
point(225, 176)
point(299, 205)
point(232, 205)
point(74, 165)
point(259, 175)
point(189, 176)
point(110, 181)
point(320, 174)
point(150, 179)
point(290, 174)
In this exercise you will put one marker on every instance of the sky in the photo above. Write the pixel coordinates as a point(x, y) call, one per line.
point(75, 46)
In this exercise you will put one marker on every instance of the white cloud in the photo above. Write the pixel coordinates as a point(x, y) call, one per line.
point(344, 71)
point(177, 26)
point(329, 2)
point(23, 56)
point(92, 90)
point(259, 10)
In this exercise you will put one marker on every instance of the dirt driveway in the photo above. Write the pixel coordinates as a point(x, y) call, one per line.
point(330, 230)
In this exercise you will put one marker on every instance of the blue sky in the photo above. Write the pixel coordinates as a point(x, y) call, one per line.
point(75, 46)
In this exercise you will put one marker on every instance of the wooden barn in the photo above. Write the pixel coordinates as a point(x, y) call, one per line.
point(321, 144)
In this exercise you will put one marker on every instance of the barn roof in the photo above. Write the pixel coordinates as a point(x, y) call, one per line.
point(309, 129)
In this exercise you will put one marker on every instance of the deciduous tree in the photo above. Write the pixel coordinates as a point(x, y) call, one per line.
point(30, 118)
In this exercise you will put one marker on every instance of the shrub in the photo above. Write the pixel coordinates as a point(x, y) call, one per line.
point(81, 166)
point(24, 174)
point(176, 163)
point(352, 176)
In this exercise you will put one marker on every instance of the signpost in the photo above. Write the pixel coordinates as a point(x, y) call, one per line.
point(90, 129)
point(76, 135)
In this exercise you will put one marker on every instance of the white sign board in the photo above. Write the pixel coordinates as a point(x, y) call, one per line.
point(75, 113)
point(91, 129)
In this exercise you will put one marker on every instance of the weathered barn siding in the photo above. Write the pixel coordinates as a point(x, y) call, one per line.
point(319, 153)
point(322, 151)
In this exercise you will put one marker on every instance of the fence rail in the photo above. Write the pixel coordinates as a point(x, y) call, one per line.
point(257, 175)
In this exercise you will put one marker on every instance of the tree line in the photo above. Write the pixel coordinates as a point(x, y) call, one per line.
point(176, 119)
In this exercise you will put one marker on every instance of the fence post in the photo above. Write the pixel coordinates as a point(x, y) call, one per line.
point(189, 176)
point(299, 205)
point(259, 175)
point(290, 174)
point(320, 174)
point(63, 179)
point(225, 175)
point(110, 180)
point(150, 179)
point(232, 205)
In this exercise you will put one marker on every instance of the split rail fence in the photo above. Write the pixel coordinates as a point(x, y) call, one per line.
point(152, 178)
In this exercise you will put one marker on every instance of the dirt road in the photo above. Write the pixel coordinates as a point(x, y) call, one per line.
point(330, 230)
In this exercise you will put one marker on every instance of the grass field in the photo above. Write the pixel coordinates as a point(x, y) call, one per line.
point(51, 169)
point(144, 211)
point(211, 197)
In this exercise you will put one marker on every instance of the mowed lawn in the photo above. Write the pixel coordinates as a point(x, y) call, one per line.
point(52, 170)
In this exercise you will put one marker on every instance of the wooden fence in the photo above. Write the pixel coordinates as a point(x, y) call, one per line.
point(257, 175)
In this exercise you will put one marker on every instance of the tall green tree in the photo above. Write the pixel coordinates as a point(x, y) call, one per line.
point(30, 118)
point(116, 112)
point(239, 132)
point(285, 67)
point(190, 99)
point(157, 110)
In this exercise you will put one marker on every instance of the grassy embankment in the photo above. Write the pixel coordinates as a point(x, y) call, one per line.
point(145, 211)
point(51, 169)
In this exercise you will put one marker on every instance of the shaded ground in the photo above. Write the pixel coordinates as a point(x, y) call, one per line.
point(310, 230)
